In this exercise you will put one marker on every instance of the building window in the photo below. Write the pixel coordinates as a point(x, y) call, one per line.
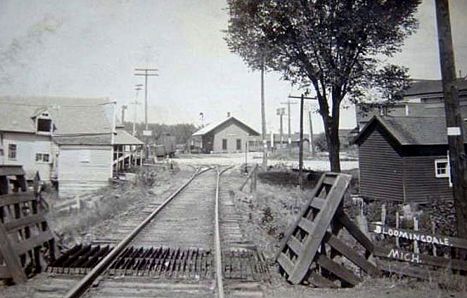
point(224, 144)
point(44, 123)
point(441, 168)
point(43, 157)
point(239, 144)
point(12, 151)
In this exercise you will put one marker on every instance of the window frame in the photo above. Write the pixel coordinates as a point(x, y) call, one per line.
point(446, 168)
point(224, 144)
point(42, 155)
point(44, 116)
point(10, 157)
point(239, 144)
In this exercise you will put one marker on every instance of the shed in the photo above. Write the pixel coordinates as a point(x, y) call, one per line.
point(228, 135)
point(404, 159)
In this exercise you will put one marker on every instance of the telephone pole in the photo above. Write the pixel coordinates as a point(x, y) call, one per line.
point(136, 103)
point(454, 123)
point(288, 103)
point(300, 152)
point(280, 112)
point(146, 72)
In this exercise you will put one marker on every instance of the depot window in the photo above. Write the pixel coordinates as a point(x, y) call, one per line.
point(42, 157)
point(441, 168)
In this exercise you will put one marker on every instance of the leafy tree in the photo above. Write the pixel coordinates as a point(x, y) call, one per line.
point(332, 46)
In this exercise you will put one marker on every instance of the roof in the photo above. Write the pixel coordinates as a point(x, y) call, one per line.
point(124, 138)
point(70, 116)
point(410, 130)
point(219, 125)
point(95, 140)
point(419, 87)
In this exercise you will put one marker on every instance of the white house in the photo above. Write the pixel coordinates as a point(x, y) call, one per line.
point(66, 140)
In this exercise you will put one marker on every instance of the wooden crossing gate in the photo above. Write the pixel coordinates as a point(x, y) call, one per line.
point(311, 250)
point(25, 237)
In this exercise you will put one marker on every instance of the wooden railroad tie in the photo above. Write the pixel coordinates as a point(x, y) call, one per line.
point(311, 250)
point(25, 238)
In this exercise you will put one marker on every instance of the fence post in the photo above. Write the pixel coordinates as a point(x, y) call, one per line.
point(415, 242)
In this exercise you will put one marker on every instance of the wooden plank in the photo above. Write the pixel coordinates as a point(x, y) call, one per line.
point(350, 254)
point(405, 256)
point(407, 269)
point(10, 256)
point(292, 227)
point(317, 203)
point(27, 244)
point(4, 272)
point(338, 270)
point(15, 198)
point(355, 231)
point(285, 263)
point(419, 236)
point(321, 223)
point(320, 281)
point(307, 225)
point(24, 221)
point(295, 245)
point(330, 178)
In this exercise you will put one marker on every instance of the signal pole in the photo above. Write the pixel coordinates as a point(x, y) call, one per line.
point(454, 123)
point(288, 103)
point(281, 112)
point(146, 72)
point(136, 103)
point(300, 152)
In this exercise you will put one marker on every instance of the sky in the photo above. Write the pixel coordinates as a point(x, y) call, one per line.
point(89, 48)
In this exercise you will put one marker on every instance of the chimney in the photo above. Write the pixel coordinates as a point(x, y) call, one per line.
point(228, 114)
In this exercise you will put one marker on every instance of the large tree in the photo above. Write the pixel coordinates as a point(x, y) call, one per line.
point(334, 46)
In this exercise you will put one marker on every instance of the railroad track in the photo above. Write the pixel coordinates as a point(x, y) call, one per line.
point(191, 245)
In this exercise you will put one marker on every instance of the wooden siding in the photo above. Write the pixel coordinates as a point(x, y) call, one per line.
point(381, 168)
point(83, 169)
point(421, 185)
point(27, 145)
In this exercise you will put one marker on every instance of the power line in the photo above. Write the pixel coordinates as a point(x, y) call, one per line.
point(146, 72)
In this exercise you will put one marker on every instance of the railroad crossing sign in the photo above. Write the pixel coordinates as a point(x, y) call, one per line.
point(312, 251)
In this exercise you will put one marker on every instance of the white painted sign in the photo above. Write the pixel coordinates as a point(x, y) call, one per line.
point(454, 131)
point(432, 239)
point(147, 133)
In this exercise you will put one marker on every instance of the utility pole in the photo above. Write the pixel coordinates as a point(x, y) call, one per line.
point(300, 152)
point(146, 72)
point(136, 103)
point(288, 103)
point(263, 120)
point(124, 107)
point(312, 141)
point(454, 123)
point(281, 112)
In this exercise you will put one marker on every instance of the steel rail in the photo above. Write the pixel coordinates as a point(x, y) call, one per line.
point(81, 287)
point(217, 239)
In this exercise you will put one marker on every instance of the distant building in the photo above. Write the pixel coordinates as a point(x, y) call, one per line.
point(423, 98)
point(67, 140)
point(228, 135)
point(404, 159)
point(294, 140)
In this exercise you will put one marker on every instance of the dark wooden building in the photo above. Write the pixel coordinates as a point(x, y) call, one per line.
point(404, 159)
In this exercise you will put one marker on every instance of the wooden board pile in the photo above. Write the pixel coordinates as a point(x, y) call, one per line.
point(25, 238)
point(312, 252)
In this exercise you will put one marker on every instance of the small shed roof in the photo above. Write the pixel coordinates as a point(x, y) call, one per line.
point(410, 130)
point(93, 140)
point(218, 125)
point(124, 138)
point(420, 87)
